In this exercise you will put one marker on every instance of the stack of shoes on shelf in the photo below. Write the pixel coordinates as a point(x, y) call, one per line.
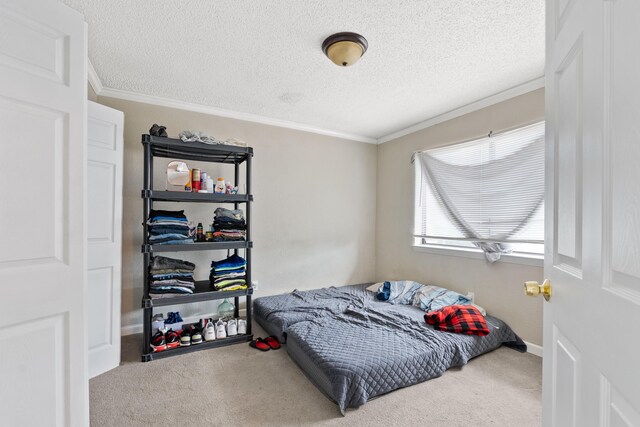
point(169, 228)
point(170, 277)
point(229, 225)
point(229, 274)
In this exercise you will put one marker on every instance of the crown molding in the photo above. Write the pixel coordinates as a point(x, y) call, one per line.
point(101, 90)
point(466, 109)
point(199, 108)
point(93, 78)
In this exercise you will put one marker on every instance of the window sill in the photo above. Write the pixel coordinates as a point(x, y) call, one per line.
point(522, 259)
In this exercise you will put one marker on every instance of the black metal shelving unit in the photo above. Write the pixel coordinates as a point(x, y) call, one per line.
point(174, 148)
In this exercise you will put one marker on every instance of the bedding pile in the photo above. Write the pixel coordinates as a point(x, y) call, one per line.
point(355, 347)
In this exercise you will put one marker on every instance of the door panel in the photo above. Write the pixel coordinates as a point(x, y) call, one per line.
point(104, 171)
point(616, 410)
point(624, 69)
point(43, 368)
point(100, 197)
point(569, 87)
point(565, 384)
point(593, 214)
point(99, 304)
point(42, 217)
point(43, 139)
point(48, 53)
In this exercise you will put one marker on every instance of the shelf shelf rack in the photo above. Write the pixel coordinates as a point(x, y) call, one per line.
point(175, 148)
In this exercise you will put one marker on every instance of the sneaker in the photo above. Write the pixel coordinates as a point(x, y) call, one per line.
point(232, 328)
point(185, 338)
point(209, 332)
point(220, 329)
point(158, 342)
point(242, 326)
point(196, 335)
point(172, 339)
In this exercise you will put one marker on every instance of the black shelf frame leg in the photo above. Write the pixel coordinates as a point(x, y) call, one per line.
point(248, 250)
point(147, 205)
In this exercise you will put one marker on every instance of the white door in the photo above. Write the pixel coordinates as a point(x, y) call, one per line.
point(43, 343)
point(591, 340)
point(104, 235)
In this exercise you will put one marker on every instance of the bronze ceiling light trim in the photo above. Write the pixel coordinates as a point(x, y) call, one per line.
point(344, 49)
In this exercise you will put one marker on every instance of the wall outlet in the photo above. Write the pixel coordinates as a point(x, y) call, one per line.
point(254, 284)
point(471, 296)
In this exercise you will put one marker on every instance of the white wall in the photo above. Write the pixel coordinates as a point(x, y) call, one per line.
point(498, 287)
point(313, 215)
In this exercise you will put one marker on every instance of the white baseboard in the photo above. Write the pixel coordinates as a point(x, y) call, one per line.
point(137, 328)
point(534, 349)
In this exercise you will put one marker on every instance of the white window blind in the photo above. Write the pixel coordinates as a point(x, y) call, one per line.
point(487, 193)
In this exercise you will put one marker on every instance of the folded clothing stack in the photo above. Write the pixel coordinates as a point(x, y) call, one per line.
point(229, 225)
point(169, 228)
point(169, 277)
point(229, 274)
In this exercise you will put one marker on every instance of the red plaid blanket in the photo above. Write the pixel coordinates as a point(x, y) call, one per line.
point(461, 319)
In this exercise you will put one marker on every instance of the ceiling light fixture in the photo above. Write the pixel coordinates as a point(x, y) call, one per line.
point(344, 49)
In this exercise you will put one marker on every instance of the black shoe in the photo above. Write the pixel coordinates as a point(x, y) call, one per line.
point(158, 130)
point(196, 335)
point(185, 338)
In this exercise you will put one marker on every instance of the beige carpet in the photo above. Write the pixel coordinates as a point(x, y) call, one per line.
point(240, 386)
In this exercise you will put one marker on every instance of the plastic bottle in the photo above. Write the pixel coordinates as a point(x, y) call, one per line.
point(210, 185)
point(203, 181)
point(195, 180)
point(226, 309)
point(199, 233)
point(220, 186)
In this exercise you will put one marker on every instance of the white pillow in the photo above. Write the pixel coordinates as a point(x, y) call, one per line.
point(375, 287)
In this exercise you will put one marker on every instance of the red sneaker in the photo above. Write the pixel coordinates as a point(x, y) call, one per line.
point(172, 339)
point(158, 342)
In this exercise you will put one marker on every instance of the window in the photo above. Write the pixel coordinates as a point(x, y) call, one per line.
point(486, 194)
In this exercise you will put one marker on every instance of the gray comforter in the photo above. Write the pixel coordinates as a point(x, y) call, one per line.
point(366, 347)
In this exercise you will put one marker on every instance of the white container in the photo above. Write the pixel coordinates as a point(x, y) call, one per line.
point(220, 186)
point(210, 185)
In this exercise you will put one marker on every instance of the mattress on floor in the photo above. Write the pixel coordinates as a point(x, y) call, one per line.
point(367, 352)
point(354, 347)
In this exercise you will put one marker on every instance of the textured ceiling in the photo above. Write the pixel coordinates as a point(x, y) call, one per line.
point(263, 57)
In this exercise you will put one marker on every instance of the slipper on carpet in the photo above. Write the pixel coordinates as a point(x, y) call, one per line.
point(272, 342)
point(260, 344)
